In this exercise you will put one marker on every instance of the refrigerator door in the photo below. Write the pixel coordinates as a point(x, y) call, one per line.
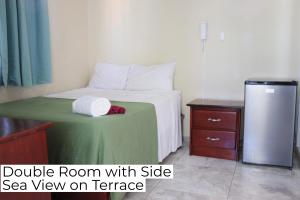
point(269, 124)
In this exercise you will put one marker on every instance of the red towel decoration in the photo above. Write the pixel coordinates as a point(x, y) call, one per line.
point(116, 110)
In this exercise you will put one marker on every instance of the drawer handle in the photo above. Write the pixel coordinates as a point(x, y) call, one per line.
point(213, 139)
point(214, 120)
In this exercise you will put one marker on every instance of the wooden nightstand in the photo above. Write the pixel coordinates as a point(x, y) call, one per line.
point(23, 142)
point(215, 128)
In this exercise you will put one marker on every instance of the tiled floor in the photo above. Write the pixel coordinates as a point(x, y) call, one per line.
point(201, 178)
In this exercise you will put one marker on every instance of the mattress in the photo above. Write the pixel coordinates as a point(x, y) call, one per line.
point(167, 108)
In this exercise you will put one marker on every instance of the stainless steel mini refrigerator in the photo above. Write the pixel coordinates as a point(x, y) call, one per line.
point(269, 128)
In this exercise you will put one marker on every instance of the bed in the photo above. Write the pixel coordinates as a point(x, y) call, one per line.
point(148, 132)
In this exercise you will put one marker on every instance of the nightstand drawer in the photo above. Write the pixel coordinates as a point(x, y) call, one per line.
point(211, 119)
point(219, 139)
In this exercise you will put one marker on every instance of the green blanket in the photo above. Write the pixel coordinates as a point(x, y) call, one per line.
point(77, 139)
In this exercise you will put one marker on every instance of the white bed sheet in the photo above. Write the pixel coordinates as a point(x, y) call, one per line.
point(167, 106)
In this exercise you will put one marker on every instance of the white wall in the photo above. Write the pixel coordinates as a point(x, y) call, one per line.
point(261, 40)
point(257, 41)
point(295, 61)
point(297, 56)
point(69, 42)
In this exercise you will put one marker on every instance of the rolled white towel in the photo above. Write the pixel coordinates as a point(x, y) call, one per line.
point(92, 106)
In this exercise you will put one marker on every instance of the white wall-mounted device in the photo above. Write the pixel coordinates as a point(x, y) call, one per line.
point(222, 36)
point(203, 27)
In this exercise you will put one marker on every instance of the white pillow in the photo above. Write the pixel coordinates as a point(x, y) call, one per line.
point(157, 77)
point(136, 70)
point(110, 76)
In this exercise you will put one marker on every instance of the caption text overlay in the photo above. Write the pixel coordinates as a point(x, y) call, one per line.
point(80, 178)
